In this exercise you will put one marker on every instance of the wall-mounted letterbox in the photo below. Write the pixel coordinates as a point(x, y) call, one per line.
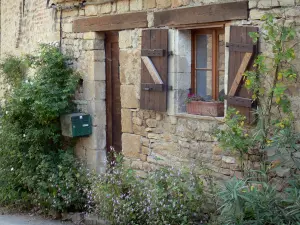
point(76, 125)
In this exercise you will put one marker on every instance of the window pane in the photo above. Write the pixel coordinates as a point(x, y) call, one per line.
point(204, 84)
point(221, 84)
point(204, 51)
point(221, 52)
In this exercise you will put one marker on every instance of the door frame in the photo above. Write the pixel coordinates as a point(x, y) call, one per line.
point(110, 37)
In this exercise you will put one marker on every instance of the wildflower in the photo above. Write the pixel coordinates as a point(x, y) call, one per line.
point(12, 169)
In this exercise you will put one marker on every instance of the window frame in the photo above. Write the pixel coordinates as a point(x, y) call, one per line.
point(215, 32)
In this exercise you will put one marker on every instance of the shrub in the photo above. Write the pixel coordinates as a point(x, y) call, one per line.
point(250, 202)
point(37, 166)
point(166, 196)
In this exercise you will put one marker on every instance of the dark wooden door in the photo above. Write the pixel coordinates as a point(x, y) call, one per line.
point(113, 98)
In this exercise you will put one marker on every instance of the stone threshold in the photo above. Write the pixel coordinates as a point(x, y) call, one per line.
point(191, 116)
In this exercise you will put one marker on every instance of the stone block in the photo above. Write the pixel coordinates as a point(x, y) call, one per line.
point(143, 157)
point(150, 4)
point(125, 39)
point(130, 67)
point(97, 109)
point(159, 116)
point(252, 4)
point(266, 4)
point(96, 160)
point(136, 5)
point(146, 150)
point(137, 121)
point(228, 159)
point(140, 130)
point(91, 10)
point(131, 145)
point(94, 90)
point(173, 120)
point(123, 6)
point(105, 8)
point(284, 3)
point(145, 142)
point(152, 123)
point(93, 36)
point(137, 165)
point(126, 120)
point(67, 27)
point(256, 14)
point(93, 45)
point(163, 4)
point(128, 97)
point(96, 71)
point(97, 140)
point(178, 3)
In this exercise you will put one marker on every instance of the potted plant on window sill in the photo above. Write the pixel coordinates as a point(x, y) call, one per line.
point(198, 105)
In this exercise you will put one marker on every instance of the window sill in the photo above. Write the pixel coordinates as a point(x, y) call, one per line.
point(199, 117)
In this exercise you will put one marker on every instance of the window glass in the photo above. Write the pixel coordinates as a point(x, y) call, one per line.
point(204, 84)
point(204, 51)
point(221, 64)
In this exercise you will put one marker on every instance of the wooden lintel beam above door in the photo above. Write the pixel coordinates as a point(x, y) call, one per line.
point(201, 14)
point(111, 22)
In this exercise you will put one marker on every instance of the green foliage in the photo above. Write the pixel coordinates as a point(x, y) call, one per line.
point(269, 83)
point(255, 200)
point(167, 196)
point(13, 70)
point(250, 202)
point(236, 134)
point(37, 166)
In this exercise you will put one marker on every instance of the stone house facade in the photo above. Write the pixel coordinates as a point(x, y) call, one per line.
point(109, 41)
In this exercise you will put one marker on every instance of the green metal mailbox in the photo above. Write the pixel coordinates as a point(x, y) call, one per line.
point(76, 125)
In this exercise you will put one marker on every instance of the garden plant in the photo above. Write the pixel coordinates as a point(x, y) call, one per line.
point(37, 165)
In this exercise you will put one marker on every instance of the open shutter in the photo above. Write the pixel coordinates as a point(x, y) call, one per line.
point(242, 52)
point(154, 79)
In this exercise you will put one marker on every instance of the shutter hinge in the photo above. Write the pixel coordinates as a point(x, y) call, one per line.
point(170, 53)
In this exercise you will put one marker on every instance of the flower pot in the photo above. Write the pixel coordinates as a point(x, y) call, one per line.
point(202, 108)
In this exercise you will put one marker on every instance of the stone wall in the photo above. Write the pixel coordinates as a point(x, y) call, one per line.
point(150, 139)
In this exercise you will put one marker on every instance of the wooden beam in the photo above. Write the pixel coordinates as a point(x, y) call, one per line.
point(152, 70)
point(111, 22)
point(202, 14)
point(239, 75)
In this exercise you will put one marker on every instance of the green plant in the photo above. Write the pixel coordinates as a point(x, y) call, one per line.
point(37, 165)
point(259, 203)
point(166, 196)
point(255, 200)
point(269, 82)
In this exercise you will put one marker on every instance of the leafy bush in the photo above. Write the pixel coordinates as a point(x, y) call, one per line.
point(37, 166)
point(167, 196)
point(245, 202)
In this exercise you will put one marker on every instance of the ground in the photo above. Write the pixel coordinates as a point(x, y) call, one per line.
point(18, 219)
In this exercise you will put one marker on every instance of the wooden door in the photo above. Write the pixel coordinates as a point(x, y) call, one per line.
point(113, 98)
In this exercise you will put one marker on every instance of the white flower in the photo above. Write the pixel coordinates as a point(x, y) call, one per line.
point(24, 135)
point(12, 169)
point(6, 112)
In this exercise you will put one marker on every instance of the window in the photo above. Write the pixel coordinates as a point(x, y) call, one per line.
point(208, 63)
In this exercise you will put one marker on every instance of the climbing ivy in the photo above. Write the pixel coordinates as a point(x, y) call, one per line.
point(37, 166)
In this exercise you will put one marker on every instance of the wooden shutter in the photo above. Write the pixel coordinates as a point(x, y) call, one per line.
point(154, 79)
point(242, 52)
